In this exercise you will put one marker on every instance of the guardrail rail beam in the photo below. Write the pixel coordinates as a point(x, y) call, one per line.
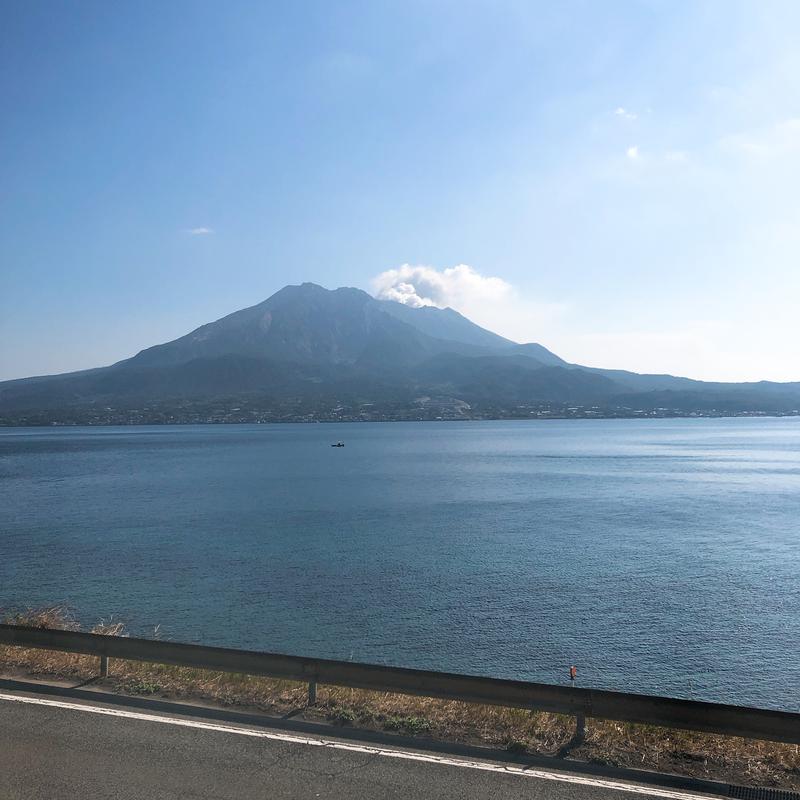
point(667, 712)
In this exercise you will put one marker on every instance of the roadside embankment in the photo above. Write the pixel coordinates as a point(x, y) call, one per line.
point(730, 759)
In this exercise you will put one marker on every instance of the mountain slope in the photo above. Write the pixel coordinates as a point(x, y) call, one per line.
point(445, 323)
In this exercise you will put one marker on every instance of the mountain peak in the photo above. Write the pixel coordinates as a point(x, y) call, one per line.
point(309, 289)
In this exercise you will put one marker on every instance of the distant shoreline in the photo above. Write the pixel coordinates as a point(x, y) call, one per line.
point(305, 421)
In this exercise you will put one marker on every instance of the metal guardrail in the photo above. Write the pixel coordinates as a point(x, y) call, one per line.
point(753, 723)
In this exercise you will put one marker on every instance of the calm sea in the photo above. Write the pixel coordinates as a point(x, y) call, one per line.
point(658, 556)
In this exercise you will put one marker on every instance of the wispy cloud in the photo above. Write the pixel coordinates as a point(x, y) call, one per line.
point(623, 113)
point(777, 140)
point(199, 231)
point(633, 153)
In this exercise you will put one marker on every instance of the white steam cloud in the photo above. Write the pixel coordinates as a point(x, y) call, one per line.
point(487, 300)
point(459, 287)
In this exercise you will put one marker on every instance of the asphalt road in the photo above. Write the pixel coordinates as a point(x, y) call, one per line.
point(53, 749)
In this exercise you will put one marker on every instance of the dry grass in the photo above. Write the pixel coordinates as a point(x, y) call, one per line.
point(696, 754)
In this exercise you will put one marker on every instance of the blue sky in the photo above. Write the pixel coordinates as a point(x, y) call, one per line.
point(615, 180)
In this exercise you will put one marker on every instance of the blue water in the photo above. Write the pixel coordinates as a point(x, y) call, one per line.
point(658, 556)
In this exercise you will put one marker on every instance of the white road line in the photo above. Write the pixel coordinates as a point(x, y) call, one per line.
point(358, 748)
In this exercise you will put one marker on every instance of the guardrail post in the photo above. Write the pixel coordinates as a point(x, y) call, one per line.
point(580, 730)
point(312, 693)
point(103, 666)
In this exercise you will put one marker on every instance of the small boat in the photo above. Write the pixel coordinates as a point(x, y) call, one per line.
point(338, 444)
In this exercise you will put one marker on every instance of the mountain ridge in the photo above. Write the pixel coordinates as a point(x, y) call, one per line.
point(306, 351)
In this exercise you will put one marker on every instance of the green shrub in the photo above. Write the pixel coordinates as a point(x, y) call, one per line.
point(342, 716)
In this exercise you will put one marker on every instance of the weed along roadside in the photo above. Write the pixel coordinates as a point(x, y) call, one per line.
point(517, 730)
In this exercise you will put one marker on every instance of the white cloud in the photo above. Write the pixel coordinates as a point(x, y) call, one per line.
point(633, 153)
point(489, 301)
point(625, 114)
point(199, 231)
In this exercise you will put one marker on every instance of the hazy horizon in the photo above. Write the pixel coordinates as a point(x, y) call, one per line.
point(617, 183)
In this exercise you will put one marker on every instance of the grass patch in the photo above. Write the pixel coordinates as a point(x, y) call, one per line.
point(143, 687)
point(408, 725)
point(747, 762)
